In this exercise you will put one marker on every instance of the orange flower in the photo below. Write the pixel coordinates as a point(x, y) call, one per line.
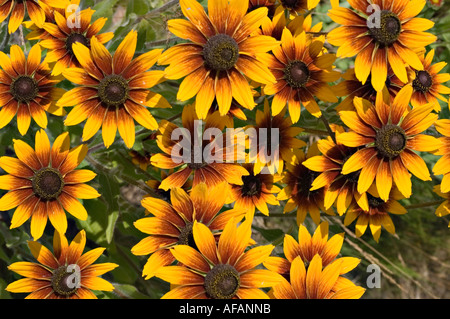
point(171, 224)
point(442, 166)
point(298, 180)
point(388, 135)
point(391, 43)
point(377, 215)
point(27, 89)
point(16, 9)
point(209, 172)
point(221, 53)
point(303, 263)
point(63, 33)
point(302, 73)
point(113, 91)
point(428, 83)
point(42, 183)
point(256, 191)
point(219, 270)
point(340, 189)
point(66, 273)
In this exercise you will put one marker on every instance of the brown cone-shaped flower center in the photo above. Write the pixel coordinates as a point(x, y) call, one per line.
point(48, 183)
point(221, 52)
point(305, 181)
point(252, 185)
point(113, 90)
point(385, 29)
point(222, 282)
point(422, 82)
point(65, 283)
point(390, 141)
point(73, 38)
point(290, 4)
point(186, 236)
point(24, 89)
point(297, 74)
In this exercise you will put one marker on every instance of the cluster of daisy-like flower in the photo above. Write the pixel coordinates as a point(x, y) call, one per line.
point(238, 59)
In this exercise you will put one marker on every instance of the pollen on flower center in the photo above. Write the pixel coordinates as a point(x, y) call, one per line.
point(390, 141)
point(24, 88)
point(422, 82)
point(222, 282)
point(47, 183)
point(252, 185)
point(113, 90)
point(297, 74)
point(387, 31)
point(221, 52)
point(73, 38)
point(64, 282)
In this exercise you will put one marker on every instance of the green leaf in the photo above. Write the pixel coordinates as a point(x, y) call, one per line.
point(271, 235)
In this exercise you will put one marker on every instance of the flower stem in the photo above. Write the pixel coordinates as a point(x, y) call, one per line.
point(328, 127)
point(426, 204)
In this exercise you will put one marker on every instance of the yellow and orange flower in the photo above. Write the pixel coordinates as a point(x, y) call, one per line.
point(377, 215)
point(442, 166)
point(340, 189)
point(274, 26)
point(171, 224)
point(42, 183)
point(209, 171)
point(313, 282)
point(27, 89)
point(272, 153)
point(388, 135)
point(64, 32)
point(351, 87)
point(15, 10)
point(220, 270)
point(307, 247)
point(220, 56)
point(387, 37)
point(308, 251)
point(66, 273)
point(298, 180)
point(257, 191)
point(444, 208)
point(428, 83)
point(302, 73)
point(269, 4)
point(113, 91)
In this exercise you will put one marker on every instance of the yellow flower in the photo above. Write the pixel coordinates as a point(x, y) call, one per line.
point(42, 183)
point(220, 56)
point(27, 89)
point(113, 91)
point(220, 270)
point(66, 273)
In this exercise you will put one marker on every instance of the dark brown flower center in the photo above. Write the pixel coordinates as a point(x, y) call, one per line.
point(222, 282)
point(374, 202)
point(422, 82)
point(386, 29)
point(390, 141)
point(305, 181)
point(186, 236)
point(252, 185)
point(74, 38)
point(296, 74)
point(113, 90)
point(47, 183)
point(64, 282)
point(24, 88)
point(221, 52)
point(290, 4)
